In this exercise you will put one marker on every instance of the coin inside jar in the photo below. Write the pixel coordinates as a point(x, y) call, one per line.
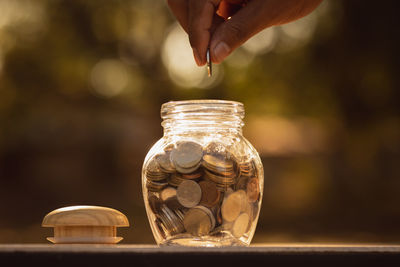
point(198, 221)
point(168, 196)
point(210, 195)
point(154, 173)
point(171, 221)
point(154, 203)
point(218, 164)
point(187, 156)
point(194, 175)
point(241, 225)
point(253, 190)
point(165, 163)
point(156, 186)
point(188, 193)
point(175, 179)
point(232, 206)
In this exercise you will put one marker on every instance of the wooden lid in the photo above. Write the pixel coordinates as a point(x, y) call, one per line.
point(85, 216)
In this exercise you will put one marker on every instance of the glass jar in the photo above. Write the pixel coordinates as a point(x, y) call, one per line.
point(203, 181)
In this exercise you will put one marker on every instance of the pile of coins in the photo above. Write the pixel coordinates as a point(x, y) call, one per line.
point(202, 191)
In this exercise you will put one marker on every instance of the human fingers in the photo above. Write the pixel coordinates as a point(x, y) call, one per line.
point(252, 18)
point(228, 8)
point(200, 21)
point(180, 10)
point(233, 32)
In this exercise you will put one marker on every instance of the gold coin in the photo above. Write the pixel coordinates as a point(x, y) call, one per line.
point(222, 182)
point(210, 195)
point(154, 173)
point(244, 205)
point(156, 186)
point(168, 192)
point(175, 179)
point(241, 225)
point(168, 196)
point(248, 168)
point(253, 189)
point(215, 163)
point(169, 148)
point(193, 175)
point(242, 183)
point(154, 203)
point(232, 206)
point(160, 228)
point(188, 193)
point(209, 213)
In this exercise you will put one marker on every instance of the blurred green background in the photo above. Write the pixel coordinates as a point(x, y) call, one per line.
point(81, 84)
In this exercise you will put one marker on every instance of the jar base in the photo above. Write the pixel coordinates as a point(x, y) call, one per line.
point(204, 241)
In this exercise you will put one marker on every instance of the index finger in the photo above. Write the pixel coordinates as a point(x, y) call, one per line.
point(200, 20)
point(180, 9)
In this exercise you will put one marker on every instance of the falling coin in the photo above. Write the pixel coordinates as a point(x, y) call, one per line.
point(188, 193)
point(209, 63)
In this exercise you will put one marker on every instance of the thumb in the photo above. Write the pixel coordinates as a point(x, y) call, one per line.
point(235, 31)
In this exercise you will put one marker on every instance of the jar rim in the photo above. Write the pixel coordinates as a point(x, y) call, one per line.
point(204, 101)
point(186, 105)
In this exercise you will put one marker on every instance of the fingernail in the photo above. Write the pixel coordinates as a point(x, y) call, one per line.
point(221, 51)
point(196, 57)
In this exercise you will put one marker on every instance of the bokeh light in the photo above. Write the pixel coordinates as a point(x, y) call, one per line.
point(109, 77)
point(262, 43)
point(178, 58)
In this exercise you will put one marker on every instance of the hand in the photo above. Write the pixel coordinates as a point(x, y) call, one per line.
point(224, 25)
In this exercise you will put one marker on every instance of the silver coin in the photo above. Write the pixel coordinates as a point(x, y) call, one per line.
point(188, 193)
point(187, 155)
point(165, 163)
point(209, 63)
point(174, 224)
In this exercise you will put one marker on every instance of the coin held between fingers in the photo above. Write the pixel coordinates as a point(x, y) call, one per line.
point(209, 63)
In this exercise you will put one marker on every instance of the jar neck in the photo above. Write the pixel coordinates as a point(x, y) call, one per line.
point(202, 116)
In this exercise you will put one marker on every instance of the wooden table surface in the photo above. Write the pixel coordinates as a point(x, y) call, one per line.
point(150, 255)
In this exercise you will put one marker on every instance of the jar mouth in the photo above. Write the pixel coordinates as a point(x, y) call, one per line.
point(203, 107)
point(204, 115)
